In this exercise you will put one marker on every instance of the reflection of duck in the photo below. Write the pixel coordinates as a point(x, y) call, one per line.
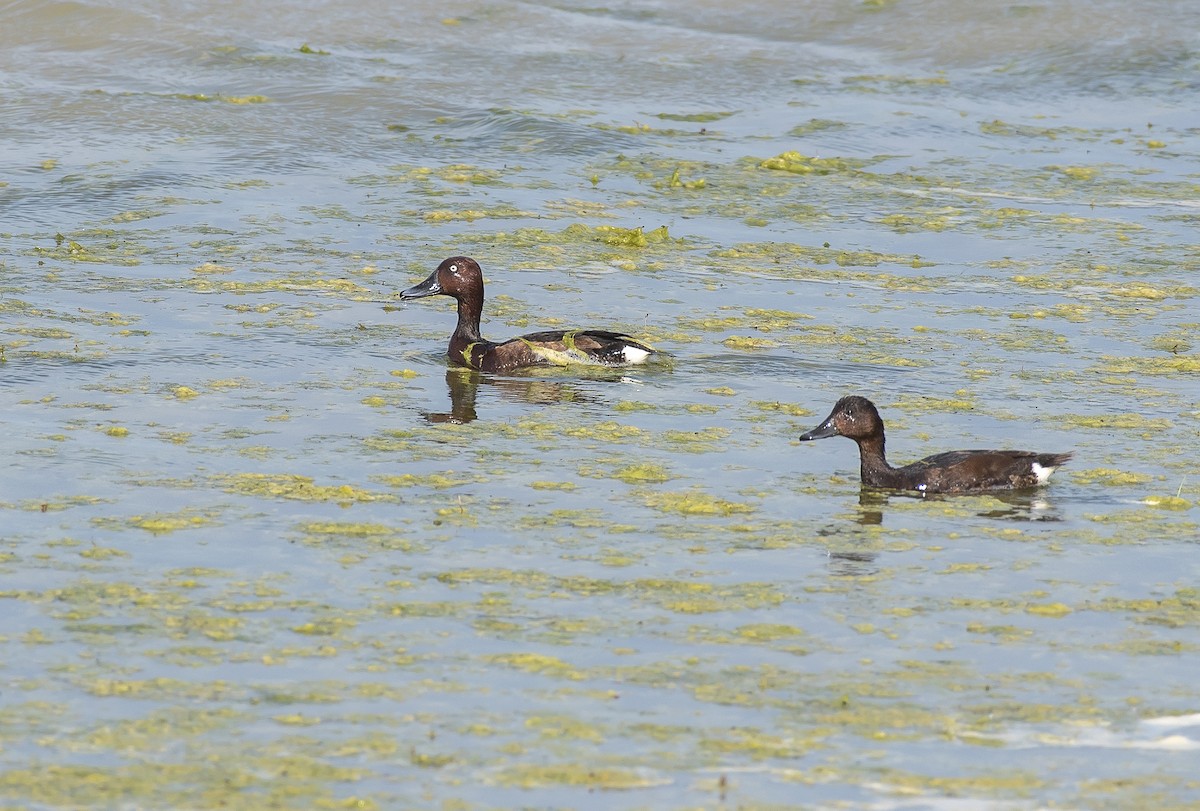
point(1015, 505)
point(950, 472)
point(870, 508)
point(460, 278)
point(463, 385)
point(853, 564)
point(1022, 506)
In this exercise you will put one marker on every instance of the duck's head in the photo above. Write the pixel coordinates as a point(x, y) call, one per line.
point(854, 417)
point(457, 276)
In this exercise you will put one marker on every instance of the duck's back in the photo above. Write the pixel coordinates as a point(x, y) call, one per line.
point(961, 471)
point(558, 348)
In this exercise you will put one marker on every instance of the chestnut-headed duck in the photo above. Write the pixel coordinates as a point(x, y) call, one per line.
point(949, 472)
point(460, 278)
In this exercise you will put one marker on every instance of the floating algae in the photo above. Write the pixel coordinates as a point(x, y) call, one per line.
point(642, 473)
point(472, 214)
point(540, 664)
point(1110, 477)
point(748, 342)
point(592, 776)
point(703, 440)
point(694, 502)
point(1118, 422)
point(631, 237)
point(797, 163)
point(436, 481)
point(161, 523)
point(696, 117)
point(291, 486)
point(383, 535)
point(1168, 502)
point(1167, 367)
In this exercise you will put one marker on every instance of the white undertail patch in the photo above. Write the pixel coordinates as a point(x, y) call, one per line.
point(634, 354)
point(1042, 472)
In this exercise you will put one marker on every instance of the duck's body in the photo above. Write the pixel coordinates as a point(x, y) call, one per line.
point(949, 472)
point(461, 278)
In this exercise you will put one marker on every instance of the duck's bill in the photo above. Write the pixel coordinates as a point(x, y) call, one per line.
point(429, 287)
point(825, 429)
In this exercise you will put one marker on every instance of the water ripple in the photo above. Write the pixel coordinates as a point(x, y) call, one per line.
point(526, 131)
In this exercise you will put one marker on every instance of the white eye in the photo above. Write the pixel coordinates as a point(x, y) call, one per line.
point(454, 268)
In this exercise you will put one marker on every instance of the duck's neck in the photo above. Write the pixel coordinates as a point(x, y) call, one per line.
point(467, 331)
point(873, 465)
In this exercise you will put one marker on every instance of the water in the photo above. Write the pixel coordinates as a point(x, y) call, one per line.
point(259, 547)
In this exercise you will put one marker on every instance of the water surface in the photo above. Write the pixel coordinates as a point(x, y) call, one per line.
point(259, 547)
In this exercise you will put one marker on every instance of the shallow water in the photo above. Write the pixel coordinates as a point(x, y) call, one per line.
point(258, 547)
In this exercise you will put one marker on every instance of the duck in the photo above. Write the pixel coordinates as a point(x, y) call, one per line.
point(951, 472)
point(461, 278)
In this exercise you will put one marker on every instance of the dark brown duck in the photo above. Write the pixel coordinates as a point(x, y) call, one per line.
point(950, 472)
point(460, 278)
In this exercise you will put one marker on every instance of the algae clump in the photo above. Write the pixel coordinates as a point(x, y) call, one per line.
point(694, 502)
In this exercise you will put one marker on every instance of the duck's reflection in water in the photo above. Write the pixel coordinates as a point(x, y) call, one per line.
point(1014, 505)
point(853, 552)
point(464, 388)
point(870, 507)
point(1023, 505)
point(843, 563)
point(464, 384)
point(873, 503)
